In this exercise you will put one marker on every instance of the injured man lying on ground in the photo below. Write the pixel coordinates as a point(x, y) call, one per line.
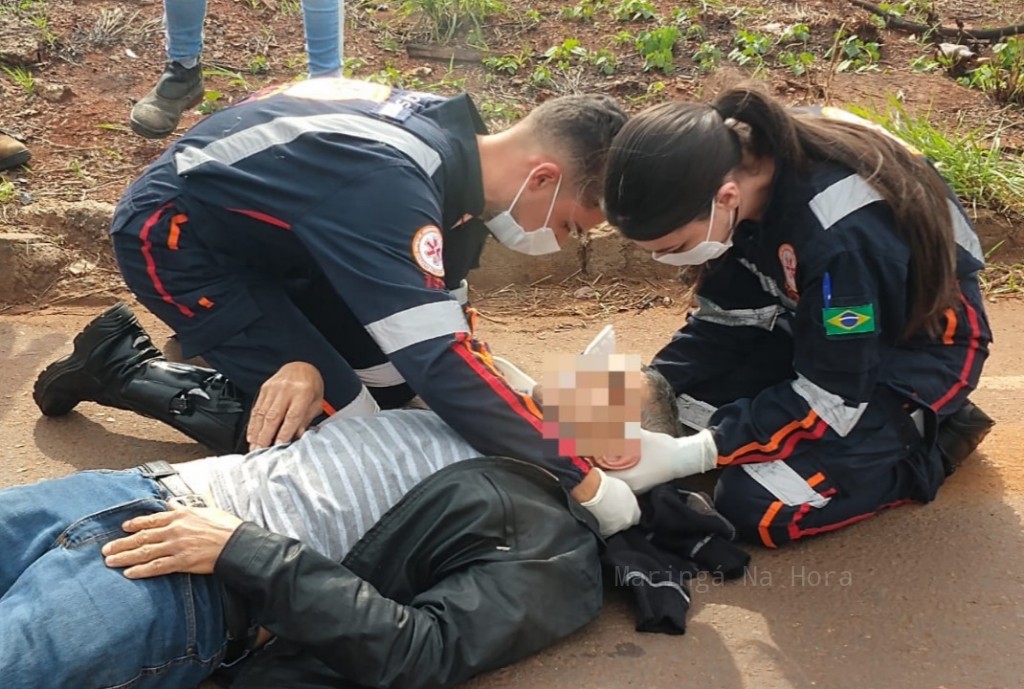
point(374, 551)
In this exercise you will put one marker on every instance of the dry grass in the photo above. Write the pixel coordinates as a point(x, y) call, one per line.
point(1003, 280)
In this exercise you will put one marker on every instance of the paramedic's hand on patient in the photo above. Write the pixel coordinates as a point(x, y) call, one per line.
point(613, 505)
point(287, 403)
point(664, 458)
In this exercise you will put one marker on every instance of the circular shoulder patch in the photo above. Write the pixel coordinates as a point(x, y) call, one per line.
point(428, 250)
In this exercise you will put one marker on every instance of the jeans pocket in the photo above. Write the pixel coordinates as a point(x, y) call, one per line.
point(105, 525)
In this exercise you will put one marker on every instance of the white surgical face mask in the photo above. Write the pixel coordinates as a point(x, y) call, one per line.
point(509, 232)
point(703, 252)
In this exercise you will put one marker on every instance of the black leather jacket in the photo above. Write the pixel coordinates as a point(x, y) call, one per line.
point(480, 565)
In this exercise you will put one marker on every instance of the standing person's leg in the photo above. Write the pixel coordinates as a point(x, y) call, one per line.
point(70, 621)
point(324, 22)
point(180, 87)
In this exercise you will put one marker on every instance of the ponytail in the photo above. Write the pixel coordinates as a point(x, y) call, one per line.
point(676, 156)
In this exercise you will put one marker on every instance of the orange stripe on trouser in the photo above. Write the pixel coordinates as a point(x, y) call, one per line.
point(775, 441)
point(764, 527)
point(972, 350)
point(147, 256)
point(766, 522)
point(793, 528)
point(175, 232)
point(947, 337)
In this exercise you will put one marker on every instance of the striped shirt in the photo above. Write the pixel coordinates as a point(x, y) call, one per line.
point(332, 485)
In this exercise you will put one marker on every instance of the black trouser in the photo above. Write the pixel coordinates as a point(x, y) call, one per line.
point(247, 323)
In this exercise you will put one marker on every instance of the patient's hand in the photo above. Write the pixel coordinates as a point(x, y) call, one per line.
point(183, 539)
point(288, 402)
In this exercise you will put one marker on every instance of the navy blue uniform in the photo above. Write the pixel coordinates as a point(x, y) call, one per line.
point(824, 415)
point(327, 222)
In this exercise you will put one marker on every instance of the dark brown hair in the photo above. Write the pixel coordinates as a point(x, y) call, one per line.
point(581, 128)
point(667, 163)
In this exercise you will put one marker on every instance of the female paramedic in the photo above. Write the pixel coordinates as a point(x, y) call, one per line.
point(839, 326)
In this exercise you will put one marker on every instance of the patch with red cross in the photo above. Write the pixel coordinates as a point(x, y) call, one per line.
point(428, 250)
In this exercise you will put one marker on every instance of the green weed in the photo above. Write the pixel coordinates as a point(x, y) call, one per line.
point(22, 77)
point(635, 10)
point(446, 18)
point(708, 56)
point(8, 193)
point(973, 162)
point(656, 48)
point(853, 53)
point(799, 63)
point(510, 63)
point(211, 102)
point(259, 64)
point(235, 79)
point(750, 47)
point(1002, 76)
point(583, 11)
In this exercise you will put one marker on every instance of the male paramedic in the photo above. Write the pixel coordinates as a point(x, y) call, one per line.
point(327, 223)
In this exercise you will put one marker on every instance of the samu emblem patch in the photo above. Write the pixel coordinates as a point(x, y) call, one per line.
point(427, 250)
point(849, 320)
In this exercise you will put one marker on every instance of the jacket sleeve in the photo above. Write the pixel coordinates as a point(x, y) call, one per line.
point(477, 619)
point(368, 248)
point(850, 312)
point(720, 332)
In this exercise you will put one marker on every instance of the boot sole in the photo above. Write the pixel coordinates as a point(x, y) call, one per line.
point(14, 160)
point(149, 133)
point(48, 387)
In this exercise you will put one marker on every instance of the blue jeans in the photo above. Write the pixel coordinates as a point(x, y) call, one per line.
point(325, 32)
point(67, 620)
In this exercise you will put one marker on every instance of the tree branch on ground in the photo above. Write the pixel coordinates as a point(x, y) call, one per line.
point(894, 21)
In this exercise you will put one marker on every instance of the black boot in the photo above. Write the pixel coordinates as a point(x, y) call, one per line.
point(961, 433)
point(115, 364)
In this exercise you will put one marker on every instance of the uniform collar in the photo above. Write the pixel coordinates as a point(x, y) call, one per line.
point(461, 121)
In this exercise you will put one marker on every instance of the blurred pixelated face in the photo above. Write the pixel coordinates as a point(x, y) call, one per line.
point(592, 404)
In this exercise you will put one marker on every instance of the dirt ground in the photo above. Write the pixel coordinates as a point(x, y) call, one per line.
point(89, 61)
point(919, 598)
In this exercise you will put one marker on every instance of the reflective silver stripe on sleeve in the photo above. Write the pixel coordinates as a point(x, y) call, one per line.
point(380, 376)
point(769, 285)
point(779, 479)
point(418, 324)
point(842, 198)
point(963, 232)
point(240, 145)
point(694, 413)
point(830, 407)
point(763, 317)
point(362, 405)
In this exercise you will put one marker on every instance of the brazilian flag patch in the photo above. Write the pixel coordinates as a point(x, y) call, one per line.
point(849, 320)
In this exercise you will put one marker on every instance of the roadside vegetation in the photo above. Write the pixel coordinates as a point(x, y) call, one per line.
point(512, 54)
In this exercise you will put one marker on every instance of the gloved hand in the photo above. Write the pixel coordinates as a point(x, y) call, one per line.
point(614, 505)
point(663, 458)
point(519, 381)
